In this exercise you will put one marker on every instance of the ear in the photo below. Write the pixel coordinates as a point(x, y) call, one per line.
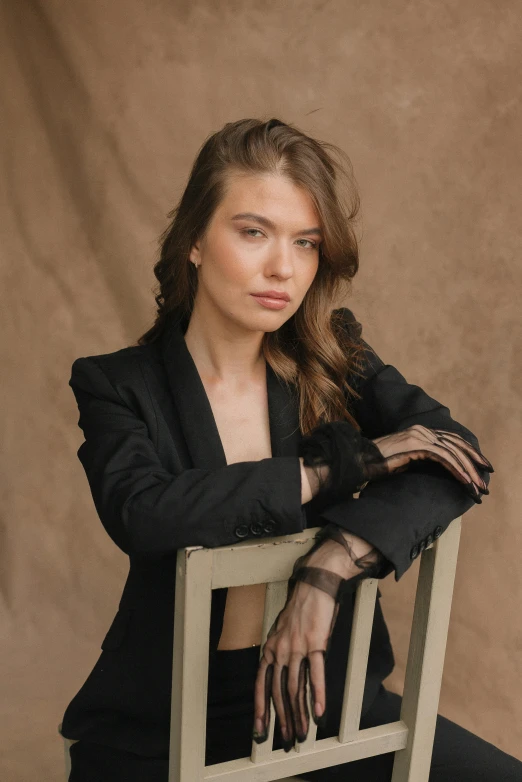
point(195, 253)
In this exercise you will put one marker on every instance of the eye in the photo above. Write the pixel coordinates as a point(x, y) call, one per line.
point(312, 246)
point(246, 230)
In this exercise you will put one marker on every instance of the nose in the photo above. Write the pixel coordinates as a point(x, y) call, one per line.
point(281, 261)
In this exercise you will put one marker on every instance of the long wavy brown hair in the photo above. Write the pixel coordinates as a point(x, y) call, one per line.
point(312, 352)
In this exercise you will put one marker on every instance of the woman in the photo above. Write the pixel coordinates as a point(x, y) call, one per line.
point(240, 415)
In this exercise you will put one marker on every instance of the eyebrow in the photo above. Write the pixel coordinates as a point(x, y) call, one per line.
point(269, 224)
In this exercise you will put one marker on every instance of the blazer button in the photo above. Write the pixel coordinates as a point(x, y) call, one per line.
point(429, 539)
point(414, 552)
point(241, 531)
point(269, 526)
point(437, 532)
point(256, 528)
point(422, 546)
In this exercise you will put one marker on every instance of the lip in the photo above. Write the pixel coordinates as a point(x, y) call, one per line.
point(269, 303)
point(273, 295)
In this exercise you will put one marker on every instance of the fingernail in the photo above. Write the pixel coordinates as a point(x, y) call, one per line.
point(319, 721)
point(473, 491)
point(259, 737)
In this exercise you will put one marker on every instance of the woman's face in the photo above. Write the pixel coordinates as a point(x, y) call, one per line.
point(275, 248)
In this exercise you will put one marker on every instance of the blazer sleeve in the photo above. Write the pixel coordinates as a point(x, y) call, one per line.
point(403, 513)
point(146, 509)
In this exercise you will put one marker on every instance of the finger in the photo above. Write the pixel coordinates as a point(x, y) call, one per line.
point(461, 450)
point(435, 451)
point(263, 689)
point(268, 695)
point(467, 462)
point(317, 684)
point(468, 447)
point(296, 680)
point(279, 704)
point(448, 459)
point(301, 709)
point(471, 456)
point(262, 692)
point(443, 456)
point(288, 740)
point(475, 484)
point(461, 458)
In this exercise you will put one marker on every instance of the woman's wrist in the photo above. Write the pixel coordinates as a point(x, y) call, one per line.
point(333, 556)
point(311, 480)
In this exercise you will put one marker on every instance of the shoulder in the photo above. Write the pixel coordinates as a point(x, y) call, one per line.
point(123, 367)
point(365, 361)
point(346, 318)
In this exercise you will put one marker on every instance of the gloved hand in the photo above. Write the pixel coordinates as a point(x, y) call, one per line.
point(298, 641)
point(440, 445)
point(354, 460)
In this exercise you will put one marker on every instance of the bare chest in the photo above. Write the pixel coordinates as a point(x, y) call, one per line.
point(244, 429)
point(243, 423)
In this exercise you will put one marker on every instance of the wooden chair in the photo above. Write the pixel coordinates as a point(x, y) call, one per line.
point(270, 561)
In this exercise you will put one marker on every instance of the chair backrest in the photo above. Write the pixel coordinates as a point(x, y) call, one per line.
point(270, 561)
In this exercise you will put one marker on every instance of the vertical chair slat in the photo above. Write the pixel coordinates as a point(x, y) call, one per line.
point(426, 655)
point(193, 602)
point(67, 756)
point(364, 610)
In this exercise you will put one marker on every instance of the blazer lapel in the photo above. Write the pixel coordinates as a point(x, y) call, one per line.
point(195, 412)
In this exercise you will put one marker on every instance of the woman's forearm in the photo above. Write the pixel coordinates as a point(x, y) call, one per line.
point(310, 480)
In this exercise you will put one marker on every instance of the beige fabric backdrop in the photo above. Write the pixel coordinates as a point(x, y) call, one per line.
point(104, 106)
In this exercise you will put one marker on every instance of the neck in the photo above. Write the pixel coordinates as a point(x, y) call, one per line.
point(223, 355)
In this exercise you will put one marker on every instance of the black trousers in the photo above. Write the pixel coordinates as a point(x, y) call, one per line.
point(458, 754)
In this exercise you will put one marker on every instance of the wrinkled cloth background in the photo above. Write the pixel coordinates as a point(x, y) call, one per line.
point(104, 106)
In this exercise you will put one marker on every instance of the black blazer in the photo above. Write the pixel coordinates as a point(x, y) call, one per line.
point(159, 480)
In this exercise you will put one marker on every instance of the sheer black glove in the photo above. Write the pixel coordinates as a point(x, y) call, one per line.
point(353, 460)
point(447, 448)
point(330, 582)
point(299, 640)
